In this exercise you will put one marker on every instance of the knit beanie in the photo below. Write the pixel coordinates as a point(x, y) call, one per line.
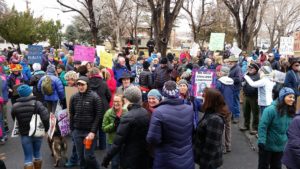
point(155, 93)
point(24, 90)
point(170, 90)
point(183, 81)
point(266, 69)
point(51, 69)
point(133, 94)
point(284, 92)
point(164, 60)
point(255, 66)
point(36, 66)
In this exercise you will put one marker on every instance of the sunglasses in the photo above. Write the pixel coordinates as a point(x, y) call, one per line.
point(250, 67)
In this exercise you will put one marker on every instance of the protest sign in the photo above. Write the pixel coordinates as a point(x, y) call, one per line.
point(194, 50)
point(278, 76)
point(235, 50)
point(100, 49)
point(106, 59)
point(15, 132)
point(138, 71)
point(70, 91)
point(297, 43)
point(202, 79)
point(286, 45)
point(52, 122)
point(82, 53)
point(35, 54)
point(63, 122)
point(216, 41)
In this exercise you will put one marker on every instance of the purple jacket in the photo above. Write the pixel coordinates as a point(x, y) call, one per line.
point(291, 155)
point(170, 132)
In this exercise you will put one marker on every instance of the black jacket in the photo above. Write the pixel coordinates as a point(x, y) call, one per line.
point(100, 87)
point(86, 111)
point(130, 139)
point(146, 79)
point(23, 110)
point(248, 90)
point(34, 80)
point(161, 75)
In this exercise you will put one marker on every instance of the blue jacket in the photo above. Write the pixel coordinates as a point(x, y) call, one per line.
point(170, 132)
point(118, 72)
point(57, 86)
point(226, 87)
point(26, 71)
point(292, 80)
point(272, 129)
point(236, 74)
point(291, 155)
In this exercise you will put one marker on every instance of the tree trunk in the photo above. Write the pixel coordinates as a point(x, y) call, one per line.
point(93, 25)
point(19, 48)
point(136, 40)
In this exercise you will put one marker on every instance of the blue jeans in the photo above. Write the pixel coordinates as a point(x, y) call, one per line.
point(115, 161)
point(31, 147)
point(74, 157)
point(86, 157)
point(2, 128)
point(102, 139)
point(236, 104)
point(261, 109)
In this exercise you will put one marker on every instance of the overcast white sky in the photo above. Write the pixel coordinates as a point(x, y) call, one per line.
point(50, 9)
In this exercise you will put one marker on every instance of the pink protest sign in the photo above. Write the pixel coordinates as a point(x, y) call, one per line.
point(82, 53)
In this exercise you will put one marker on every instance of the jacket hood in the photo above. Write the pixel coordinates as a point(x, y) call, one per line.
point(95, 82)
point(226, 80)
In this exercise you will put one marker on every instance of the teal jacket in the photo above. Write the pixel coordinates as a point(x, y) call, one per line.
point(272, 129)
point(62, 78)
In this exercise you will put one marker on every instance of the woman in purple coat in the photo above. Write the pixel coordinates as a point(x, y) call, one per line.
point(291, 154)
point(170, 131)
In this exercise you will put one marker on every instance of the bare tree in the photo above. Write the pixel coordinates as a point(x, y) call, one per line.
point(199, 17)
point(248, 16)
point(90, 18)
point(3, 7)
point(164, 13)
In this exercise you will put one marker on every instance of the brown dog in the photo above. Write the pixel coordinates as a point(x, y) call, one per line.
point(58, 147)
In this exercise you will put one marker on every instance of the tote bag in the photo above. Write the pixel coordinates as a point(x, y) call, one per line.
point(37, 128)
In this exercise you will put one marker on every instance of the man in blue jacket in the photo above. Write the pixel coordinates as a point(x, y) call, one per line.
point(57, 87)
point(292, 78)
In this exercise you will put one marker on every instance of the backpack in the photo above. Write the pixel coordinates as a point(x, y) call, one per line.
point(47, 86)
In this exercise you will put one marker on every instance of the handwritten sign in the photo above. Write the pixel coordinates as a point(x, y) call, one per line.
point(63, 122)
point(82, 53)
point(35, 54)
point(138, 71)
point(52, 122)
point(201, 80)
point(297, 41)
point(106, 59)
point(216, 41)
point(235, 50)
point(286, 45)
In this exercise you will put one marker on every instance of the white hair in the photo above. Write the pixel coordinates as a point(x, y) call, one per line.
point(36, 66)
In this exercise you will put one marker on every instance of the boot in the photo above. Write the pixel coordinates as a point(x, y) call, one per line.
point(37, 164)
point(28, 166)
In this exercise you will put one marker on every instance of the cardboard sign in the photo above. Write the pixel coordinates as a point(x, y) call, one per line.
point(52, 122)
point(203, 79)
point(235, 50)
point(35, 54)
point(70, 91)
point(216, 41)
point(106, 59)
point(286, 45)
point(82, 53)
point(63, 122)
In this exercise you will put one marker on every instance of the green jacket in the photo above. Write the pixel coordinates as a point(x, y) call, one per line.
point(62, 78)
point(272, 129)
point(108, 124)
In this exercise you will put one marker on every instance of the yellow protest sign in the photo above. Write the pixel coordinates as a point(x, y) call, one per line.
point(106, 59)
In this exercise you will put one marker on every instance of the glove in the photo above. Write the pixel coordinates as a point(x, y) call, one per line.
point(261, 146)
point(105, 162)
point(116, 122)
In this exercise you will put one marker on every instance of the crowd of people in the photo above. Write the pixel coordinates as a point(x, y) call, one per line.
point(143, 110)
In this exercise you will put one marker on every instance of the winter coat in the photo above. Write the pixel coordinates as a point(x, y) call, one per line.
point(208, 141)
point(265, 87)
point(108, 124)
point(86, 111)
point(249, 90)
point(161, 75)
point(57, 86)
point(292, 80)
point(170, 132)
point(23, 110)
point(13, 81)
point(112, 85)
point(4, 87)
point(226, 87)
point(146, 79)
point(272, 129)
point(26, 71)
point(197, 104)
point(118, 72)
point(130, 139)
point(291, 154)
point(100, 87)
point(236, 74)
point(34, 80)
point(62, 78)
point(275, 65)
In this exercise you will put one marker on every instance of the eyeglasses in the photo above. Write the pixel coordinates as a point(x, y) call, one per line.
point(250, 67)
point(297, 65)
